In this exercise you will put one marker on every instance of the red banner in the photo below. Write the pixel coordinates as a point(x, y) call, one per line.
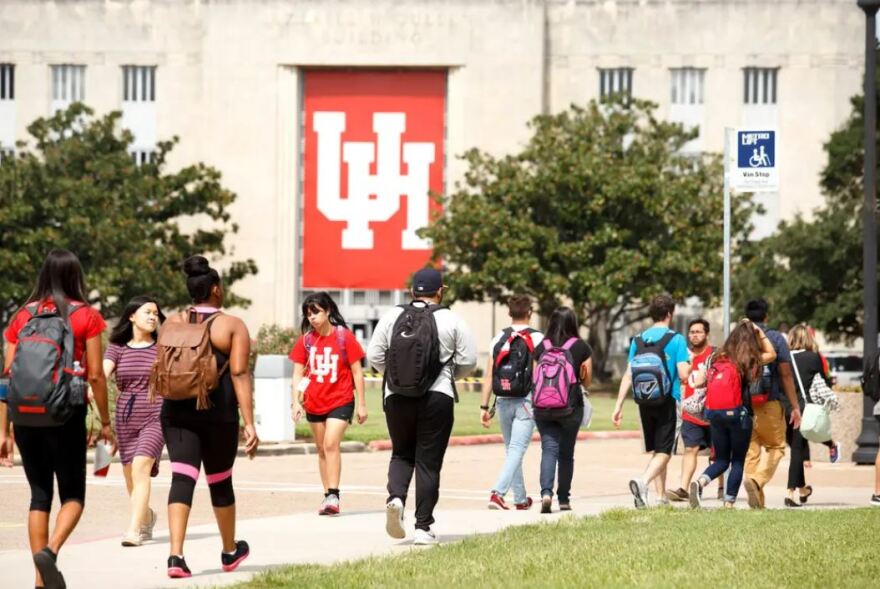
point(373, 152)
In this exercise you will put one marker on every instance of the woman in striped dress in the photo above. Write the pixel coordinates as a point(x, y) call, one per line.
point(130, 357)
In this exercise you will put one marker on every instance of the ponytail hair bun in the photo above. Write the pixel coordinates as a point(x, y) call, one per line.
point(200, 278)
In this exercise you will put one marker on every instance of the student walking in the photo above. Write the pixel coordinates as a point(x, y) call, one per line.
point(509, 376)
point(420, 348)
point(130, 357)
point(200, 419)
point(55, 328)
point(806, 364)
point(767, 446)
point(658, 362)
point(695, 433)
point(562, 366)
point(727, 377)
point(327, 373)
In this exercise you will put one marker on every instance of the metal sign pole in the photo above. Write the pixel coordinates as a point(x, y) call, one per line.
point(726, 319)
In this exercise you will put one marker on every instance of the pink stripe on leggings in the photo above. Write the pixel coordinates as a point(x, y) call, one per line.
point(185, 469)
point(219, 477)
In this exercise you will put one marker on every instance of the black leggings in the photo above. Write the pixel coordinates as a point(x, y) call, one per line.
point(58, 452)
point(192, 443)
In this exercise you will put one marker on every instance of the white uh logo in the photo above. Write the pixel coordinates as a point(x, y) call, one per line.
point(372, 198)
point(323, 364)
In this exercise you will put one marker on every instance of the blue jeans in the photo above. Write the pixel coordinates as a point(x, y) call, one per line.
point(517, 425)
point(558, 437)
point(731, 434)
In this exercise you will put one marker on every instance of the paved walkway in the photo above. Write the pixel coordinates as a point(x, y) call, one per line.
point(277, 497)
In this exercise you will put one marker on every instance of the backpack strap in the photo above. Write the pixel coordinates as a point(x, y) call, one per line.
point(568, 344)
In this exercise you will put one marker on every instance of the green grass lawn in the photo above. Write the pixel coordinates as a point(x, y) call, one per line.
point(467, 418)
point(653, 548)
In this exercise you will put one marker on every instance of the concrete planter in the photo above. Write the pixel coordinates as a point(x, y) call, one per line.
point(846, 425)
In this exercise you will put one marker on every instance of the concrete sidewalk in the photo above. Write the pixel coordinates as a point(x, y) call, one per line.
point(278, 496)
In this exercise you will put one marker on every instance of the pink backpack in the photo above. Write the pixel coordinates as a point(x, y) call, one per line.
point(554, 378)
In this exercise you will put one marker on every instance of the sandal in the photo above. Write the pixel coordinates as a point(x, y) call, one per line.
point(807, 496)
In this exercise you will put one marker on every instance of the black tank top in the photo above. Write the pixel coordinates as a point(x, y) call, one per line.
point(224, 403)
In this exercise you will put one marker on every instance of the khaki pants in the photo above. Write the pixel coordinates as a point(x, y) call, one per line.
point(768, 434)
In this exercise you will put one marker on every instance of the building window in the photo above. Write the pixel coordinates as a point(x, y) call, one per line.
point(138, 83)
point(142, 156)
point(7, 81)
point(615, 81)
point(687, 85)
point(759, 85)
point(68, 83)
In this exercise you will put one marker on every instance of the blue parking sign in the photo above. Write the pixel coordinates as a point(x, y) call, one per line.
point(756, 168)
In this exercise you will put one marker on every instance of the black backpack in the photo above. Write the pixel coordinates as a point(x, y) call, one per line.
point(870, 384)
point(44, 389)
point(412, 361)
point(512, 363)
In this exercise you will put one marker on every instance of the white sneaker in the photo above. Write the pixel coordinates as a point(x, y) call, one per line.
point(639, 490)
point(424, 537)
point(695, 495)
point(146, 531)
point(394, 519)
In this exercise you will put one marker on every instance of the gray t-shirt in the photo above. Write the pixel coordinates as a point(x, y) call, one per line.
point(455, 338)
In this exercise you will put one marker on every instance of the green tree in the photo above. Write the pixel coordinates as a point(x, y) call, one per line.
point(74, 185)
point(600, 210)
point(810, 270)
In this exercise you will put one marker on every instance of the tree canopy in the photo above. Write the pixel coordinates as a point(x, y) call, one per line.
point(75, 186)
point(600, 210)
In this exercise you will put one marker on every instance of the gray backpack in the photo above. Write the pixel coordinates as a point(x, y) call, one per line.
point(44, 389)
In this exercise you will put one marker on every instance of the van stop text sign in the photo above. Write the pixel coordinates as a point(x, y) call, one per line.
point(756, 169)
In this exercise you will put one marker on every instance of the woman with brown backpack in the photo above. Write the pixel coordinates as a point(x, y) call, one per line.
point(202, 373)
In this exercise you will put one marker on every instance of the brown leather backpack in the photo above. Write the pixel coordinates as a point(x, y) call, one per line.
point(185, 366)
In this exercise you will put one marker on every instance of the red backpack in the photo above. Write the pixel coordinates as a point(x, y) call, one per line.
point(724, 387)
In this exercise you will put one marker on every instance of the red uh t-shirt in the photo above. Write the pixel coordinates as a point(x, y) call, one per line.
point(86, 323)
point(698, 363)
point(330, 380)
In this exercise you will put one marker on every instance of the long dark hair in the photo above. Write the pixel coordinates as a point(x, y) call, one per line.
point(743, 350)
point(563, 326)
point(124, 330)
point(320, 301)
point(61, 279)
point(200, 278)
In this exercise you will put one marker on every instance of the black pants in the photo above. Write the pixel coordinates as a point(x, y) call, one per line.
point(54, 452)
point(419, 429)
point(192, 443)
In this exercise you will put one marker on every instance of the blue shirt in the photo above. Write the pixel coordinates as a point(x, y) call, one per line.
point(676, 351)
point(783, 354)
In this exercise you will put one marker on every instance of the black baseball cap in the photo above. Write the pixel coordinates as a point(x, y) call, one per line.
point(427, 280)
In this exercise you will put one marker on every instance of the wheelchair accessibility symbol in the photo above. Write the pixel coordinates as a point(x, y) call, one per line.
point(759, 158)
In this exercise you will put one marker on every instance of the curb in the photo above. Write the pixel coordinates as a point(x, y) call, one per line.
point(499, 439)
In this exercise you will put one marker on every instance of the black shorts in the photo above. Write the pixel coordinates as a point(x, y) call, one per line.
point(658, 425)
point(695, 436)
point(345, 413)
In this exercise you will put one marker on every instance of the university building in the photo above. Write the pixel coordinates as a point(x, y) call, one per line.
point(331, 120)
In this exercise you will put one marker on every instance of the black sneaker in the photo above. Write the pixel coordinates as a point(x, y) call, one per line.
point(875, 499)
point(546, 503)
point(177, 568)
point(230, 562)
point(46, 562)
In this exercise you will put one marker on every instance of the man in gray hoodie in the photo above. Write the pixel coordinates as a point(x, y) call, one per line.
point(420, 421)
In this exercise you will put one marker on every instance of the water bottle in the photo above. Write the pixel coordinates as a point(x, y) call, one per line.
point(77, 385)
